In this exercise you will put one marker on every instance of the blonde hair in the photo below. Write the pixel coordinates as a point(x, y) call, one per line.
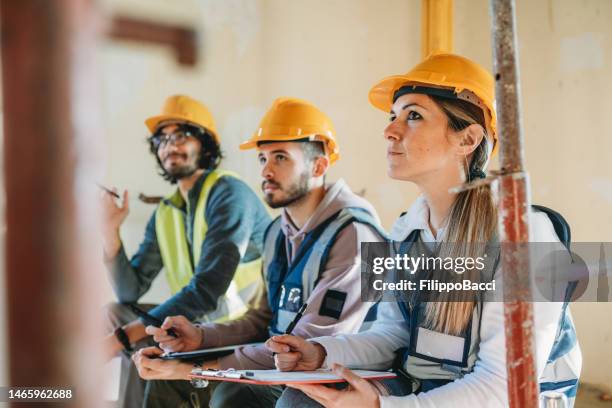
point(471, 223)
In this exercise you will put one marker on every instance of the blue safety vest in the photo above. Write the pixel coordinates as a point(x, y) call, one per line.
point(429, 371)
point(290, 284)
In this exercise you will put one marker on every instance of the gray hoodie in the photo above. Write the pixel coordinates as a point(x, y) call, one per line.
point(342, 273)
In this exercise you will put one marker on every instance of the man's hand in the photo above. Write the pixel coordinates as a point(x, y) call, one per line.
point(295, 354)
point(113, 217)
point(150, 367)
point(359, 394)
point(134, 330)
point(189, 336)
point(111, 346)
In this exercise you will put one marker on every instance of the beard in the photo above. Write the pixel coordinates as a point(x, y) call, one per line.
point(293, 193)
point(179, 171)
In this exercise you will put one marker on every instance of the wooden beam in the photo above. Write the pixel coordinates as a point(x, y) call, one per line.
point(182, 40)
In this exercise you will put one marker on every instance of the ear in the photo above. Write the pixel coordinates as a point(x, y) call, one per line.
point(468, 139)
point(320, 166)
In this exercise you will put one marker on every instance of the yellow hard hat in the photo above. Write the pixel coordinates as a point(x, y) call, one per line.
point(182, 108)
point(294, 119)
point(445, 71)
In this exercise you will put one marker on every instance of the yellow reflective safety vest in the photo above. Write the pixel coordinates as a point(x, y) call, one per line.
point(179, 264)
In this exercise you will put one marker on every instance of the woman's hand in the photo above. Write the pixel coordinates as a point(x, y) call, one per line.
point(150, 367)
point(360, 393)
point(189, 336)
point(295, 354)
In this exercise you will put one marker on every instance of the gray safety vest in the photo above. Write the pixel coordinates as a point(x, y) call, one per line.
point(433, 359)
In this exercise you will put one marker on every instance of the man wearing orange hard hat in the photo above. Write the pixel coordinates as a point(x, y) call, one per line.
point(207, 235)
point(311, 257)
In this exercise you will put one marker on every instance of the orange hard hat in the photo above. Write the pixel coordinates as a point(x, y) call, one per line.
point(467, 80)
point(295, 119)
point(182, 108)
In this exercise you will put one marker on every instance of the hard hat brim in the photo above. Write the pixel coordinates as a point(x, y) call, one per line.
point(381, 94)
point(253, 142)
point(249, 144)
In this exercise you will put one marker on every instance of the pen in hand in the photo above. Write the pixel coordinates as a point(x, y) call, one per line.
point(295, 320)
point(150, 320)
point(108, 190)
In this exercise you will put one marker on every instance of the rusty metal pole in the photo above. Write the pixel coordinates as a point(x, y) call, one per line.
point(514, 212)
point(50, 138)
point(436, 26)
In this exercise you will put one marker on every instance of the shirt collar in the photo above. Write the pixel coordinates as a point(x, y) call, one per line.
point(331, 192)
point(176, 199)
point(416, 218)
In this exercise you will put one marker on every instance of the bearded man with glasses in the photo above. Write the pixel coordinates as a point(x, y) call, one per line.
point(207, 236)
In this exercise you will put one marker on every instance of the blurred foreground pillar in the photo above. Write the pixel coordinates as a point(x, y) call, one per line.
point(50, 137)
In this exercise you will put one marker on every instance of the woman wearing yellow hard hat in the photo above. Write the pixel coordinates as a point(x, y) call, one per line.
point(449, 349)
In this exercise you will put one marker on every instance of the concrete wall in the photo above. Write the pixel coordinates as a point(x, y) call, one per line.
point(331, 52)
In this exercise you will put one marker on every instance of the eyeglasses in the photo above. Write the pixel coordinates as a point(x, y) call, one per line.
point(177, 138)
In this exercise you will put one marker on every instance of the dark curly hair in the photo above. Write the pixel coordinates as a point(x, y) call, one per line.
point(210, 152)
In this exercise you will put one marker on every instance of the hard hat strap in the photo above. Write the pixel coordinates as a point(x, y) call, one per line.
point(464, 95)
point(417, 89)
point(299, 140)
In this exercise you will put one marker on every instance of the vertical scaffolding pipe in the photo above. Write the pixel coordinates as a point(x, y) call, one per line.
point(514, 212)
point(436, 26)
point(49, 113)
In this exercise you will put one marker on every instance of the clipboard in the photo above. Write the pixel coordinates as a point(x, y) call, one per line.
point(275, 377)
point(204, 354)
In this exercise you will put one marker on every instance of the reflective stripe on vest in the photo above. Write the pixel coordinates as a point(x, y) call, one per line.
point(458, 354)
point(289, 285)
point(179, 263)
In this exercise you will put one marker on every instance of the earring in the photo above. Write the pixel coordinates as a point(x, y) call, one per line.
point(467, 168)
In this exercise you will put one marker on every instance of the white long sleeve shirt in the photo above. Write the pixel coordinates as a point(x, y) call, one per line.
point(485, 386)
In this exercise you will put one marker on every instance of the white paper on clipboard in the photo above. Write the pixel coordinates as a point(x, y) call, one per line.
point(275, 377)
